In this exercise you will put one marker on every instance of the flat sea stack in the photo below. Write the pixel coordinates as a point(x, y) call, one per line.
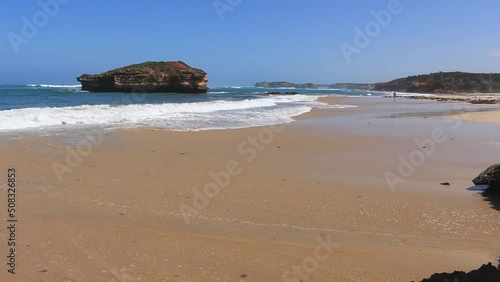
point(149, 77)
point(445, 82)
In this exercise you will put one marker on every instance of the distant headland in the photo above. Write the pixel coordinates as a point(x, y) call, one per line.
point(444, 83)
point(286, 84)
point(434, 83)
point(359, 86)
point(148, 77)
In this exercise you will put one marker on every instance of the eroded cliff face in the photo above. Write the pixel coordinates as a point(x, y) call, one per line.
point(148, 77)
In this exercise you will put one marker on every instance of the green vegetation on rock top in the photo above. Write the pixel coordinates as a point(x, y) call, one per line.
point(150, 66)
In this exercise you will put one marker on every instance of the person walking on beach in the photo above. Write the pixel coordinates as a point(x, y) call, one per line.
point(394, 95)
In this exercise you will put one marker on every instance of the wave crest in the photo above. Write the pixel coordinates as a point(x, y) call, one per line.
point(55, 85)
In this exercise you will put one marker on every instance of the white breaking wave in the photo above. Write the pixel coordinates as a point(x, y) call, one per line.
point(55, 85)
point(176, 116)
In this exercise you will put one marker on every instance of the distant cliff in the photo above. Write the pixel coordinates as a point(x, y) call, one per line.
point(150, 77)
point(285, 84)
point(444, 82)
point(360, 86)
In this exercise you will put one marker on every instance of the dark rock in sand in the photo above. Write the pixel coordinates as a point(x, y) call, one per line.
point(490, 177)
point(487, 273)
point(493, 99)
point(148, 77)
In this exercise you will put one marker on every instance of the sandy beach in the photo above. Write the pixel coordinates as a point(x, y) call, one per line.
point(489, 117)
point(348, 194)
point(488, 114)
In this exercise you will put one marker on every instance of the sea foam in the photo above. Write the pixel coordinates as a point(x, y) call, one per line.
point(55, 85)
point(219, 114)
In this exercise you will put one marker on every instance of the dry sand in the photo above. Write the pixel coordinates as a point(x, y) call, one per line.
point(117, 215)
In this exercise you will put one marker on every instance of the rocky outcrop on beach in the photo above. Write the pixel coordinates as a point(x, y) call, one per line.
point(486, 273)
point(357, 86)
point(491, 177)
point(285, 84)
point(444, 82)
point(149, 77)
point(473, 99)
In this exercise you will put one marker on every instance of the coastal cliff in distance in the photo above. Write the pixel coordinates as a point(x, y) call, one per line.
point(445, 83)
point(285, 84)
point(149, 77)
point(358, 86)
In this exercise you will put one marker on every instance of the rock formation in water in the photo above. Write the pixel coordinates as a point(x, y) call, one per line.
point(444, 82)
point(148, 77)
point(285, 84)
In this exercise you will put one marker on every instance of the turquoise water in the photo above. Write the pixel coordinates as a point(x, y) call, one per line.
point(29, 107)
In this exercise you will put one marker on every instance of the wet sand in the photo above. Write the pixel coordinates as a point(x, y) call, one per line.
point(488, 117)
point(308, 201)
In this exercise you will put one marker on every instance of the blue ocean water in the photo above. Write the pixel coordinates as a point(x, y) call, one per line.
point(39, 106)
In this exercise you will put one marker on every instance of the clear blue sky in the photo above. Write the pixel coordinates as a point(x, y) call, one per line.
point(257, 40)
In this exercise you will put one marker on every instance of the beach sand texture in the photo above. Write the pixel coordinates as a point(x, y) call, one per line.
point(308, 201)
